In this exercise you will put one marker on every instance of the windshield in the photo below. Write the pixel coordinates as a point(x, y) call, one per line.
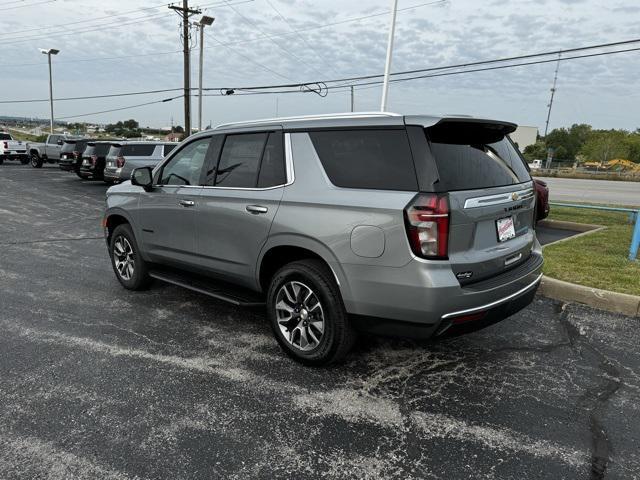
point(5, 136)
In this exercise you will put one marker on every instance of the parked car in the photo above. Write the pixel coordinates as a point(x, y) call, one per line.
point(542, 199)
point(71, 154)
point(124, 157)
point(404, 225)
point(94, 159)
point(46, 152)
point(11, 149)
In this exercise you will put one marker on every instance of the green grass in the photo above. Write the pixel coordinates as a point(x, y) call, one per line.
point(598, 259)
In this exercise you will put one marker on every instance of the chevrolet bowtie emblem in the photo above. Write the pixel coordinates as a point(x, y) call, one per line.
point(515, 196)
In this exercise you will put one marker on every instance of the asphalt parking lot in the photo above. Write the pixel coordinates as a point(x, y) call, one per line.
point(99, 382)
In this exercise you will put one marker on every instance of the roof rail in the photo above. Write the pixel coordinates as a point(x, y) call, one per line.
point(320, 116)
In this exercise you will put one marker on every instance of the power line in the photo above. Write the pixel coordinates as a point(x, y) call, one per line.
point(249, 59)
point(95, 59)
point(119, 109)
point(257, 89)
point(88, 97)
point(28, 5)
point(268, 36)
point(83, 21)
point(91, 27)
point(88, 29)
point(339, 22)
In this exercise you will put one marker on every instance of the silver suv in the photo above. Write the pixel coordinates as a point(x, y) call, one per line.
point(404, 225)
point(124, 157)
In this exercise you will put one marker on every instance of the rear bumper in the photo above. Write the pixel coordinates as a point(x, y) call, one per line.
point(423, 299)
point(14, 156)
point(112, 174)
point(66, 164)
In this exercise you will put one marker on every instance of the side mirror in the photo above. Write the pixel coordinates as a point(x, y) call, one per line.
point(143, 177)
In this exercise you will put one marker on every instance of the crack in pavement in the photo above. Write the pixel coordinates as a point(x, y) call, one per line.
point(596, 397)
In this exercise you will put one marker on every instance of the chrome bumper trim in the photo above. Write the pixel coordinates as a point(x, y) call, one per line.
point(495, 303)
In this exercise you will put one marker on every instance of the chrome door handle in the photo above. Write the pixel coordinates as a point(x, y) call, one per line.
point(256, 209)
point(187, 203)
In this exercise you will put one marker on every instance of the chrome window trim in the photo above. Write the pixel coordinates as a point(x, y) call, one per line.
point(289, 172)
point(497, 199)
point(495, 303)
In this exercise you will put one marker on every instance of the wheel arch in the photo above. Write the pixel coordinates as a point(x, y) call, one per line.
point(282, 249)
point(112, 219)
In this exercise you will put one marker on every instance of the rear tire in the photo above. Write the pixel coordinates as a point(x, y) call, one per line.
point(128, 265)
point(36, 161)
point(1, 161)
point(307, 315)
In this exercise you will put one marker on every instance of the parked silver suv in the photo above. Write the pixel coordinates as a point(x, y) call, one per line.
point(404, 225)
point(124, 157)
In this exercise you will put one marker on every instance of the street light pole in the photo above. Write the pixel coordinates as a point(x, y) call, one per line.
point(203, 22)
point(387, 66)
point(48, 53)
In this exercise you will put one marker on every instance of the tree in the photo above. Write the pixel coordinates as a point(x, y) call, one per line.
point(130, 124)
point(537, 151)
point(605, 145)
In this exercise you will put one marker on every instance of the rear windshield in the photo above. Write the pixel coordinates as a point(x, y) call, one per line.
point(68, 147)
point(99, 149)
point(372, 159)
point(137, 150)
point(114, 151)
point(5, 136)
point(473, 156)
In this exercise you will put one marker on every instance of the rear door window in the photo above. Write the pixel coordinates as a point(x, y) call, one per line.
point(475, 156)
point(168, 148)
point(370, 159)
point(240, 160)
point(137, 150)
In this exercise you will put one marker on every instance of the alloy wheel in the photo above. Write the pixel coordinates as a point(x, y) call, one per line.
point(300, 316)
point(123, 257)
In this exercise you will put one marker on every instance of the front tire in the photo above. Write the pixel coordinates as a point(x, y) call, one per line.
point(307, 315)
point(128, 265)
point(36, 161)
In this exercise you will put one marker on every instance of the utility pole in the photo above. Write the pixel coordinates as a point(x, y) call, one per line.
point(553, 91)
point(48, 53)
point(352, 98)
point(185, 12)
point(387, 65)
point(204, 21)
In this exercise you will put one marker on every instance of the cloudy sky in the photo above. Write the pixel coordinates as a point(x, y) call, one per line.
point(264, 42)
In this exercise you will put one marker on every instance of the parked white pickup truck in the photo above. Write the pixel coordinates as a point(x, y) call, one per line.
point(11, 149)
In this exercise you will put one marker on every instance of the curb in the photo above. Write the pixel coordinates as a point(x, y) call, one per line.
point(594, 297)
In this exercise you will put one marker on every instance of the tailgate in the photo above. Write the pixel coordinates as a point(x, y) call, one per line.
point(491, 198)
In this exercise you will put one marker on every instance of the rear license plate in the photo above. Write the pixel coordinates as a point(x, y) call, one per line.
point(506, 229)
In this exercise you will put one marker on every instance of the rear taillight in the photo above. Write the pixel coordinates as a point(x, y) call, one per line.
point(427, 222)
point(120, 162)
point(94, 159)
point(6, 144)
